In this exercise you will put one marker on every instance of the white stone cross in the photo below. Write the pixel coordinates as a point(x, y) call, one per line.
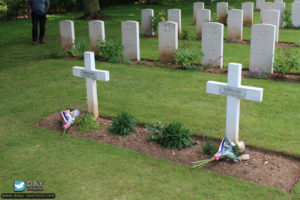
point(234, 92)
point(90, 74)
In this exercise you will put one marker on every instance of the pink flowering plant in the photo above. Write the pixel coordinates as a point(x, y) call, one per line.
point(257, 73)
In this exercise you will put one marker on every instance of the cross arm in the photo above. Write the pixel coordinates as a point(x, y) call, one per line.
point(242, 92)
point(101, 75)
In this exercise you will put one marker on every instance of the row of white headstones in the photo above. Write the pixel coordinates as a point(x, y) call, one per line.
point(263, 39)
point(233, 90)
point(263, 36)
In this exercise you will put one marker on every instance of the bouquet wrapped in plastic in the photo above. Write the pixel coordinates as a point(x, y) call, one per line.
point(68, 117)
point(227, 151)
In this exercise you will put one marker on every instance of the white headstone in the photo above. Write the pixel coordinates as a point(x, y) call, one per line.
point(281, 7)
point(174, 15)
point(235, 24)
point(96, 33)
point(259, 4)
point(274, 6)
point(131, 40)
point(234, 92)
point(90, 74)
point(167, 40)
point(202, 16)
point(265, 6)
point(67, 34)
point(296, 14)
point(262, 47)
point(197, 6)
point(212, 44)
point(146, 28)
point(272, 17)
point(222, 10)
point(247, 8)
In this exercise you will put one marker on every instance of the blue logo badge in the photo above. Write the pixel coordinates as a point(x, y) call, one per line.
point(19, 186)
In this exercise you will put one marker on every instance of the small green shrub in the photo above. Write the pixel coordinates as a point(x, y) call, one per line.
point(257, 73)
point(288, 18)
point(126, 61)
point(160, 17)
point(285, 61)
point(173, 135)
point(194, 68)
point(210, 147)
point(185, 57)
point(115, 59)
point(297, 44)
point(87, 123)
point(109, 49)
point(185, 34)
point(55, 54)
point(78, 49)
point(122, 124)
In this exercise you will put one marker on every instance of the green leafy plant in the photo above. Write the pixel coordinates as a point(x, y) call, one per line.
point(185, 57)
point(210, 147)
point(126, 61)
point(123, 124)
point(87, 123)
point(288, 18)
point(160, 17)
point(185, 34)
point(55, 54)
point(297, 44)
point(115, 59)
point(78, 49)
point(173, 135)
point(285, 61)
point(109, 49)
point(142, 62)
point(257, 73)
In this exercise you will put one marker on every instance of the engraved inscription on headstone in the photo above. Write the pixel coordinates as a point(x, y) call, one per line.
point(87, 74)
point(231, 91)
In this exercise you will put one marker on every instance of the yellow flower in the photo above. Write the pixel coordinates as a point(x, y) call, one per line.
point(162, 18)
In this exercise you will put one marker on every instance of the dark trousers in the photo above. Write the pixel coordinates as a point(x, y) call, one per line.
point(38, 20)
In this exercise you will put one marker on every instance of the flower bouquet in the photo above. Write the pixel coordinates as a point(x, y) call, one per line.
point(227, 151)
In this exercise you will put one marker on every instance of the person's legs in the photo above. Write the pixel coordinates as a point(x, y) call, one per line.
point(42, 20)
point(34, 28)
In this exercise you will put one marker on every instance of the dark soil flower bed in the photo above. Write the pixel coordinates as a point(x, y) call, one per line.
point(264, 167)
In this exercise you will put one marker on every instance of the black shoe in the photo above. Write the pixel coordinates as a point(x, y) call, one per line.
point(34, 43)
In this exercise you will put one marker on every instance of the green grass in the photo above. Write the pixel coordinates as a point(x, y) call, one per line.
point(33, 87)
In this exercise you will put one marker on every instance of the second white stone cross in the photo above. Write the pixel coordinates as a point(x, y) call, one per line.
point(234, 92)
point(90, 74)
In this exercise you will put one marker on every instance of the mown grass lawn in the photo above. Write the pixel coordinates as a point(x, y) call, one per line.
point(33, 87)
